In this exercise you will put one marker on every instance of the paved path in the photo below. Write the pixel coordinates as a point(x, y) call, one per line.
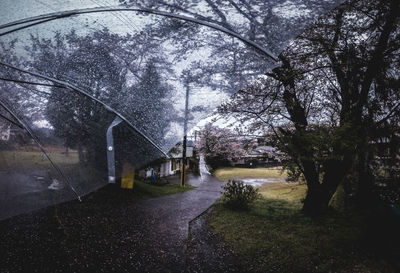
point(106, 234)
point(170, 216)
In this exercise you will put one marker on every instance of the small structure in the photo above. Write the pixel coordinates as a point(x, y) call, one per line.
point(258, 156)
point(171, 165)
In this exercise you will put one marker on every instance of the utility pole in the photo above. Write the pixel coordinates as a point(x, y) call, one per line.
point(183, 165)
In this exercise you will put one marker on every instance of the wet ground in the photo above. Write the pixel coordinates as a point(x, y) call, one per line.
point(206, 251)
point(257, 182)
point(110, 232)
point(28, 189)
point(191, 179)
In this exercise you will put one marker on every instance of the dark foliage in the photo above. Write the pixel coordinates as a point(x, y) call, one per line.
point(238, 195)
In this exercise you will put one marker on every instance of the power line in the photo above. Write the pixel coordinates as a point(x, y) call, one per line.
point(76, 20)
point(117, 15)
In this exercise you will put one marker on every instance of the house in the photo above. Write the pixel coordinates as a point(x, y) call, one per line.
point(173, 164)
point(170, 166)
point(258, 156)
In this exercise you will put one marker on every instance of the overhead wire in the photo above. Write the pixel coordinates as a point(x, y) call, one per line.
point(119, 15)
point(53, 9)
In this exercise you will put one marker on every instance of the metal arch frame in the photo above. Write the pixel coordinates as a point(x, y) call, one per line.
point(35, 20)
point(83, 92)
point(11, 121)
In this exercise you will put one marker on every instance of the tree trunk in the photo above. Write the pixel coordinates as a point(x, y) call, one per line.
point(365, 181)
point(315, 202)
point(319, 195)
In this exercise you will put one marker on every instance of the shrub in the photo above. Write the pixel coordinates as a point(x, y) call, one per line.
point(237, 195)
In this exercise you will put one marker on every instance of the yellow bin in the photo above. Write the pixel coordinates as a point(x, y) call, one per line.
point(128, 176)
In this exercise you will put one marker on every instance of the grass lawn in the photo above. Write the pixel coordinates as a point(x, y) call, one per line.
point(274, 236)
point(35, 159)
point(142, 190)
point(226, 174)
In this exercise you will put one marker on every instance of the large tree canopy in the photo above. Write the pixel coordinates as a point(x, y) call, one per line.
point(336, 87)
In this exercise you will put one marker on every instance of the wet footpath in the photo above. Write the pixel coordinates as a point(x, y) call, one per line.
point(119, 235)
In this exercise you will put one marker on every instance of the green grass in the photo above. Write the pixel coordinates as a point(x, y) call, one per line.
point(290, 192)
point(226, 174)
point(142, 190)
point(274, 236)
point(35, 159)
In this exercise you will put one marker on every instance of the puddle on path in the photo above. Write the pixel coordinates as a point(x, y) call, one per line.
point(256, 182)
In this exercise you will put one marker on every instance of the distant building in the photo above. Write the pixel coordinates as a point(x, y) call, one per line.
point(171, 165)
point(257, 156)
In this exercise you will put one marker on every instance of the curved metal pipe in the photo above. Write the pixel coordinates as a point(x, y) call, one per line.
point(63, 14)
point(11, 121)
point(79, 90)
point(28, 82)
point(111, 150)
point(28, 25)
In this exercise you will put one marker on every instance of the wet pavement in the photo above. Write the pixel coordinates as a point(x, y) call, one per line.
point(109, 232)
point(24, 190)
point(257, 182)
point(191, 179)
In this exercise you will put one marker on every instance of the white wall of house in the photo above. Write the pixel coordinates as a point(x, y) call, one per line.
point(149, 172)
point(165, 169)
